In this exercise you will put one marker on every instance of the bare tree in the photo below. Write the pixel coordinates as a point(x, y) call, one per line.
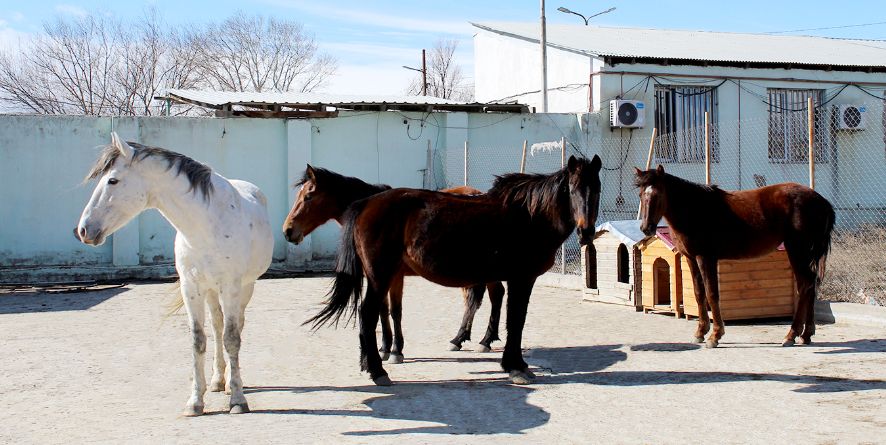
point(445, 78)
point(257, 54)
point(99, 66)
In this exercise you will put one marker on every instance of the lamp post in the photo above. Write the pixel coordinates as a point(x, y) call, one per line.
point(544, 61)
point(424, 73)
point(588, 18)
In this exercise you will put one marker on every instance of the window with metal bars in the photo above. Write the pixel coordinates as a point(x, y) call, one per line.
point(789, 126)
point(679, 119)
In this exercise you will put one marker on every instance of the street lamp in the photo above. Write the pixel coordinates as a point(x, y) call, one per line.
point(586, 19)
point(424, 73)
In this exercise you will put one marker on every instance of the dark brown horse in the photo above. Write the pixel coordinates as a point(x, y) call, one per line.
point(510, 234)
point(710, 224)
point(324, 195)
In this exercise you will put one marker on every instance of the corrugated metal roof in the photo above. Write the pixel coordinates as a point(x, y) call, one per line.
point(700, 45)
point(318, 101)
point(221, 98)
point(627, 231)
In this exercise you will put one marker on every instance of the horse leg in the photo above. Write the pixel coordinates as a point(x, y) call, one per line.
point(496, 296)
point(708, 267)
point(473, 298)
point(805, 284)
point(512, 358)
point(369, 358)
point(194, 304)
point(396, 298)
point(704, 323)
point(233, 300)
point(217, 384)
point(386, 336)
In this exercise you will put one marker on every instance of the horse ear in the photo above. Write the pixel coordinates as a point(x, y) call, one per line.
point(596, 163)
point(121, 145)
point(637, 171)
point(572, 164)
point(660, 169)
point(310, 173)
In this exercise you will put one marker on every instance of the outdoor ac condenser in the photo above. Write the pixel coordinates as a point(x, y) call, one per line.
point(851, 117)
point(627, 113)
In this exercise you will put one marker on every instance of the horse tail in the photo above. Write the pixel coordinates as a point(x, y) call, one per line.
point(347, 288)
point(822, 244)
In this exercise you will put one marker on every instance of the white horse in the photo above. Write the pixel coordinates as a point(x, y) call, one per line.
point(223, 244)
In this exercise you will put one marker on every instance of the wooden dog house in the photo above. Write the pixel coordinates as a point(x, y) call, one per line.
point(616, 259)
point(660, 275)
point(761, 287)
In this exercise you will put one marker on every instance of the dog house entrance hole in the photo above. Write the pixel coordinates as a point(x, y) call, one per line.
point(661, 282)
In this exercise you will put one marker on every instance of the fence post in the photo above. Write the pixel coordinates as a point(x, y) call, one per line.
point(707, 147)
point(811, 118)
point(648, 162)
point(466, 162)
point(563, 164)
point(523, 159)
point(429, 170)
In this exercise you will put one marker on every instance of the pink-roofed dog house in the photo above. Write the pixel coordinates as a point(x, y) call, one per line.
point(760, 287)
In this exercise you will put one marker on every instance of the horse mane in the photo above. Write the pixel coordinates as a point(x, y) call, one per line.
point(534, 192)
point(350, 187)
point(199, 175)
point(653, 178)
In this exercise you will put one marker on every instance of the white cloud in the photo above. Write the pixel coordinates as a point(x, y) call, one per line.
point(365, 18)
point(375, 51)
point(70, 10)
point(17, 16)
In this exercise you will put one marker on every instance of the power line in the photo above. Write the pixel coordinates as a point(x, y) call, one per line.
point(826, 28)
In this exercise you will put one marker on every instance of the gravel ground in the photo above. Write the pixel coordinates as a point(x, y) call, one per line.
point(110, 366)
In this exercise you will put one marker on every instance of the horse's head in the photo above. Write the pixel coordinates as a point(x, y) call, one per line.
point(118, 197)
point(312, 207)
point(584, 195)
point(652, 198)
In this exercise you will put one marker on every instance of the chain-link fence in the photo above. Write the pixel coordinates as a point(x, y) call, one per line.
point(849, 170)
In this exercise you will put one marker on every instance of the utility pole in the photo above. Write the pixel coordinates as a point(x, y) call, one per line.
point(424, 74)
point(544, 61)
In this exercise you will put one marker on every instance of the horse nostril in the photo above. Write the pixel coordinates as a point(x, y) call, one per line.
point(82, 233)
point(287, 232)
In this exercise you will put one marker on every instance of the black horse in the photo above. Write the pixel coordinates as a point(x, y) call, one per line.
point(510, 234)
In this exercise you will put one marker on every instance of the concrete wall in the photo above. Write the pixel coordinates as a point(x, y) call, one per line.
point(43, 160)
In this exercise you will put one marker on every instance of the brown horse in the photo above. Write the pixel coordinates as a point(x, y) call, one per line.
point(510, 234)
point(710, 224)
point(324, 195)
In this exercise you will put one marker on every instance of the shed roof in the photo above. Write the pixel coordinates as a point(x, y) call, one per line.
point(319, 101)
point(710, 46)
point(627, 231)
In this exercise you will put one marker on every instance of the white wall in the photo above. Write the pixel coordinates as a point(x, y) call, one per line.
point(44, 158)
point(505, 67)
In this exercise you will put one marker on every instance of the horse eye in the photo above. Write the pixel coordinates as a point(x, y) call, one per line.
point(308, 197)
point(112, 181)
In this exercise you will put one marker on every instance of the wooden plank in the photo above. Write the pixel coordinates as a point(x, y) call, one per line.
point(762, 265)
point(757, 284)
point(756, 275)
point(751, 294)
point(758, 303)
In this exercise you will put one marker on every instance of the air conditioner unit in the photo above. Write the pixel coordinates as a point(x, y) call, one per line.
point(851, 117)
point(627, 113)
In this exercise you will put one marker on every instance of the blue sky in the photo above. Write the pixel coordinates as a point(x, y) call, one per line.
point(373, 39)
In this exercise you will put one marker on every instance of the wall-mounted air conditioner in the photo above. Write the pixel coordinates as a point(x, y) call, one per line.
point(851, 117)
point(627, 113)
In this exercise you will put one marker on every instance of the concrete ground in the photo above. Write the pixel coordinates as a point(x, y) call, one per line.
point(108, 366)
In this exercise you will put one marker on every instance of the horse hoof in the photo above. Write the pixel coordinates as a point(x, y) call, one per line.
point(485, 348)
point(454, 347)
point(217, 386)
point(382, 380)
point(712, 343)
point(787, 343)
point(804, 341)
point(521, 377)
point(193, 411)
point(396, 359)
point(239, 408)
point(385, 356)
point(697, 339)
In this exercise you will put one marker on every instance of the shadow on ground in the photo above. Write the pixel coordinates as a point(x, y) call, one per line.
point(29, 302)
point(471, 406)
point(492, 405)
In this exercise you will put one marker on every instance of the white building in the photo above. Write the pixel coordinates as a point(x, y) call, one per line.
point(754, 86)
